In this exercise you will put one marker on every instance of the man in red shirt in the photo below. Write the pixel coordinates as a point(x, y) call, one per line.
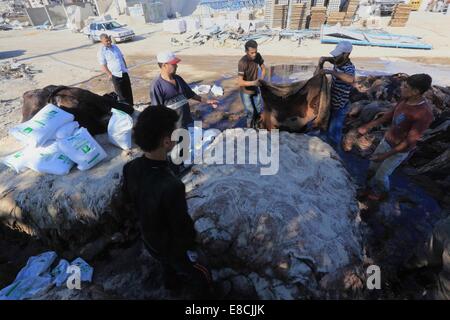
point(410, 118)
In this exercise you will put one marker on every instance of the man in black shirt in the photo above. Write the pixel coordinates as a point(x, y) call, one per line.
point(158, 200)
point(248, 69)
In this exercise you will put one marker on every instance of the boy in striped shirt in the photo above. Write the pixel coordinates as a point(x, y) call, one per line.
point(343, 75)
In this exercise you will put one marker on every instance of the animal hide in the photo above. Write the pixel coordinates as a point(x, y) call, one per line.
point(291, 107)
point(92, 111)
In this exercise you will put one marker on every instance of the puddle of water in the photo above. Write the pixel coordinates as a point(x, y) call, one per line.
point(289, 73)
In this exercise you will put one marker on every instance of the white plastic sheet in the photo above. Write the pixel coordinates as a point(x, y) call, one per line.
point(120, 129)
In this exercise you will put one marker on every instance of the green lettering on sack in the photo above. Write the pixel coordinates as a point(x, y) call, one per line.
point(94, 158)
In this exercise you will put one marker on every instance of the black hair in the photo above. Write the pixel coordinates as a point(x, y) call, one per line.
point(160, 64)
point(153, 124)
point(251, 44)
point(420, 81)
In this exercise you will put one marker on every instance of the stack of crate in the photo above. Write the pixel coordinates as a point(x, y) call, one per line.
point(299, 14)
point(400, 15)
point(280, 12)
point(318, 17)
point(335, 18)
point(350, 11)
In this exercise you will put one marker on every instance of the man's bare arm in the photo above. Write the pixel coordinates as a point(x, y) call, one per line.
point(106, 70)
point(322, 61)
point(263, 71)
point(347, 78)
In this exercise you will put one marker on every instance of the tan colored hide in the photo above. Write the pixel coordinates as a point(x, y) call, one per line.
point(291, 106)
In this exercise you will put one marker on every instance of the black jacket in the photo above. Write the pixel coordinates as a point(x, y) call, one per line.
point(158, 199)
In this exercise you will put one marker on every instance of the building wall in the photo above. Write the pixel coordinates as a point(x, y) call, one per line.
point(37, 16)
point(57, 15)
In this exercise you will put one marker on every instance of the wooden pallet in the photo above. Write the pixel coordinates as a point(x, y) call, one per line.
point(400, 15)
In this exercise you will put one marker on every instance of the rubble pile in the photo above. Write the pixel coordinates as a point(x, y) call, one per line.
point(12, 69)
point(429, 165)
point(235, 38)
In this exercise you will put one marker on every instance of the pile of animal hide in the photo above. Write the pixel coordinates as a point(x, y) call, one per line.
point(430, 163)
point(291, 107)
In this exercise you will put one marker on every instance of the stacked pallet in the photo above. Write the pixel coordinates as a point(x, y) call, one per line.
point(299, 14)
point(307, 3)
point(319, 3)
point(318, 17)
point(335, 18)
point(280, 12)
point(350, 11)
point(400, 15)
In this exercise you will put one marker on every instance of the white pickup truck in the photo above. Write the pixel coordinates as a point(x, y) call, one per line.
point(386, 6)
point(114, 29)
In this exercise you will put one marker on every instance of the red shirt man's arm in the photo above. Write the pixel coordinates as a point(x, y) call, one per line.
point(421, 124)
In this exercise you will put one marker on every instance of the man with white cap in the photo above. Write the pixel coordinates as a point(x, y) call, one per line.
point(343, 75)
point(170, 90)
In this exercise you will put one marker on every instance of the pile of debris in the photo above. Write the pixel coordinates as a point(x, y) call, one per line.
point(430, 163)
point(8, 24)
point(11, 69)
point(234, 38)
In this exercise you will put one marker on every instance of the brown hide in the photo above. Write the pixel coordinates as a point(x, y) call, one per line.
point(92, 111)
point(291, 106)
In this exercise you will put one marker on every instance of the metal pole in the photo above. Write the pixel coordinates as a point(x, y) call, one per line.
point(288, 23)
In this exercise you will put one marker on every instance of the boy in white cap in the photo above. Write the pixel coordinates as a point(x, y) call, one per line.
point(343, 75)
point(170, 90)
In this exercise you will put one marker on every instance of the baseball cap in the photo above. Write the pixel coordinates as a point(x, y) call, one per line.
point(167, 57)
point(342, 47)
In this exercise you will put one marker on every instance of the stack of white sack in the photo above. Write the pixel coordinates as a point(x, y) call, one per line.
point(54, 143)
point(42, 127)
point(82, 148)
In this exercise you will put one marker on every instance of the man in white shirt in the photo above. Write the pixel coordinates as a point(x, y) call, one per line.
point(113, 64)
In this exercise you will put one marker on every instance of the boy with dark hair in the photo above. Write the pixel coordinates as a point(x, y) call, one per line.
point(158, 200)
point(410, 118)
point(248, 82)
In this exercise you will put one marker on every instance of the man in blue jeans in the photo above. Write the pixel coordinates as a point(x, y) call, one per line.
point(248, 82)
point(343, 75)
